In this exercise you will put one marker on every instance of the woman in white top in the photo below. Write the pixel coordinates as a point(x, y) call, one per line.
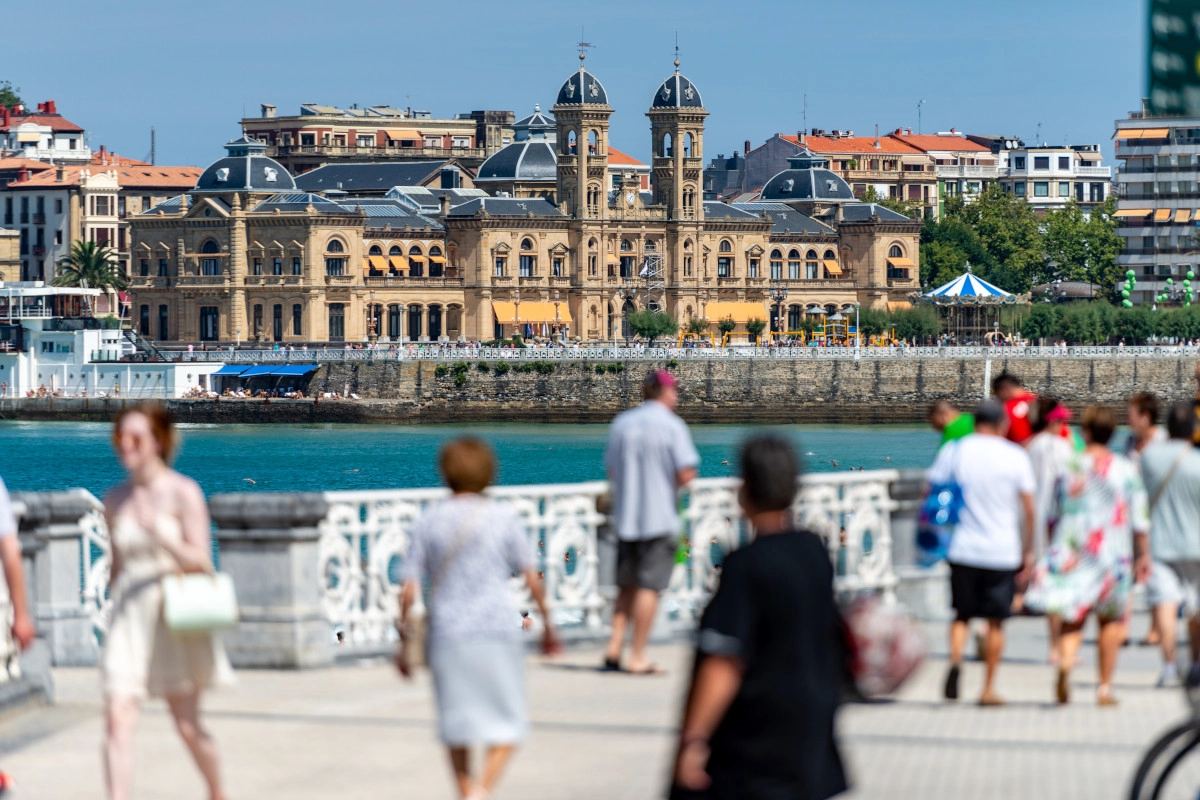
point(158, 524)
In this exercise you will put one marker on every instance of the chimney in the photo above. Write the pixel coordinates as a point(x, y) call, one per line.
point(747, 146)
point(953, 131)
point(876, 145)
point(22, 174)
point(5, 116)
point(41, 108)
point(60, 174)
point(51, 107)
point(445, 204)
point(268, 111)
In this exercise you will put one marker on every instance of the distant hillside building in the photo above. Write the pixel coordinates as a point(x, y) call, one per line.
point(43, 135)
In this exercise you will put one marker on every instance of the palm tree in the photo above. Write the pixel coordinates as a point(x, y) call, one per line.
point(93, 266)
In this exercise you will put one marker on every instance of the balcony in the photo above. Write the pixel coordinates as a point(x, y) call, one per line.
point(401, 282)
point(351, 151)
point(148, 282)
point(967, 171)
point(39, 219)
point(1093, 172)
point(39, 249)
point(201, 280)
point(340, 280)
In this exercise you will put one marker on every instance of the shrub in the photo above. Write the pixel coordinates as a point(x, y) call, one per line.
point(482, 366)
point(672, 364)
point(502, 368)
point(441, 371)
point(651, 324)
point(460, 378)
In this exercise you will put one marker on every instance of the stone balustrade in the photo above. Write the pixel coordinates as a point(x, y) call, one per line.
point(306, 564)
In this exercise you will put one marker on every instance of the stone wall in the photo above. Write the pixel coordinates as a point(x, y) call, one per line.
point(725, 391)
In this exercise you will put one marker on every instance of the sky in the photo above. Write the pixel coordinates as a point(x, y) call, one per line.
point(192, 70)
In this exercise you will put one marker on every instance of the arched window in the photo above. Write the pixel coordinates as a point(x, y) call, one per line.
point(811, 266)
point(726, 246)
point(687, 145)
point(687, 245)
point(571, 143)
point(667, 151)
point(832, 270)
point(528, 262)
point(776, 265)
point(437, 263)
point(416, 262)
point(830, 256)
point(725, 259)
point(375, 250)
point(526, 244)
point(895, 252)
point(626, 246)
point(591, 244)
point(210, 246)
point(689, 200)
point(434, 250)
point(794, 265)
point(335, 246)
point(898, 265)
point(210, 266)
point(649, 246)
point(593, 143)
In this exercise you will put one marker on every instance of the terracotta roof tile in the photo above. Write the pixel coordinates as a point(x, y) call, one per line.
point(53, 121)
point(929, 141)
point(128, 176)
point(853, 144)
point(618, 158)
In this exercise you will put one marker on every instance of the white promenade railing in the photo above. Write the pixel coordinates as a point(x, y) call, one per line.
point(449, 354)
point(366, 534)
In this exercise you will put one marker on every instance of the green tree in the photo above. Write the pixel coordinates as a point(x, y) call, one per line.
point(1135, 325)
point(1010, 233)
point(1103, 245)
point(1041, 323)
point(916, 324)
point(957, 245)
point(10, 95)
point(92, 265)
point(755, 327)
point(1066, 243)
point(909, 208)
point(650, 324)
point(1087, 323)
point(872, 321)
point(697, 326)
point(726, 326)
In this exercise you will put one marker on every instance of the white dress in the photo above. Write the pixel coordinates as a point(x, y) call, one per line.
point(142, 657)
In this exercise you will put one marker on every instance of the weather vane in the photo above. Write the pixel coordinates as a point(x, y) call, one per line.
point(677, 51)
point(583, 45)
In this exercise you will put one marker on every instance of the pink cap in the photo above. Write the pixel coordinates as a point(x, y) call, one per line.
point(659, 378)
point(1059, 414)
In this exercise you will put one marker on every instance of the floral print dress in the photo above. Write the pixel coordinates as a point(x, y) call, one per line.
point(1101, 503)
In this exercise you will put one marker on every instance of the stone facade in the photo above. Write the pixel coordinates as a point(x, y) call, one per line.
point(10, 258)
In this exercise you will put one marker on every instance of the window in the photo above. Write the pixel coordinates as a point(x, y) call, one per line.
point(58, 237)
point(725, 246)
point(416, 262)
point(256, 326)
point(1064, 188)
point(501, 264)
point(1018, 162)
point(811, 266)
point(1165, 187)
point(724, 267)
point(436, 263)
point(591, 266)
point(277, 266)
point(776, 265)
point(435, 322)
point(335, 266)
point(297, 319)
point(793, 265)
point(395, 318)
point(557, 267)
point(337, 322)
point(752, 268)
point(895, 252)
point(1185, 162)
point(527, 263)
point(146, 203)
point(209, 323)
point(144, 267)
point(308, 139)
point(256, 267)
point(210, 266)
point(1019, 189)
point(277, 322)
point(1041, 162)
point(297, 269)
point(1041, 189)
point(627, 269)
point(368, 141)
point(1097, 193)
point(1064, 162)
point(335, 246)
point(102, 205)
point(687, 266)
point(162, 324)
point(144, 320)
point(162, 267)
point(120, 206)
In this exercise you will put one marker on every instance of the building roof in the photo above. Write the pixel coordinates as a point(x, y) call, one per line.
point(619, 159)
point(677, 92)
point(506, 206)
point(968, 285)
point(54, 122)
point(861, 212)
point(368, 177)
point(785, 219)
point(582, 88)
point(527, 160)
point(537, 121)
point(714, 209)
point(300, 201)
point(953, 140)
point(807, 180)
point(852, 144)
point(245, 168)
point(18, 162)
point(127, 176)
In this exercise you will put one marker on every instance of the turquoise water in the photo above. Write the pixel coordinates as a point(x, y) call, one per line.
point(42, 456)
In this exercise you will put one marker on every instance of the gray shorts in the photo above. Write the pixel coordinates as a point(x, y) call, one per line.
point(1175, 582)
point(646, 563)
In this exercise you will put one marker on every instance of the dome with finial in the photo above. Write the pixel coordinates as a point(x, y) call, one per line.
point(245, 168)
point(582, 88)
point(536, 126)
point(807, 180)
point(530, 157)
point(677, 92)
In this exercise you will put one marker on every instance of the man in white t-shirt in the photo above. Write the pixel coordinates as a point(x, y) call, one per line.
point(993, 540)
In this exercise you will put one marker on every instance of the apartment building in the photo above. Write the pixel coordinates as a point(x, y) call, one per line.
point(1049, 177)
point(320, 135)
point(963, 167)
point(1158, 200)
point(42, 136)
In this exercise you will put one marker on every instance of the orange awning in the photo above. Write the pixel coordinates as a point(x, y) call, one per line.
point(901, 263)
point(1182, 215)
point(438, 259)
point(740, 313)
point(1131, 212)
point(832, 267)
point(418, 259)
point(613, 259)
point(403, 135)
point(1143, 133)
point(398, 263)
point(378, 262)
point(898, 304)
point(1162, 215)
point(366, 264)
point(508, 313)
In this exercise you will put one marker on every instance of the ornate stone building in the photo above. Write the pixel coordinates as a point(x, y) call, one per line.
point(246, 255)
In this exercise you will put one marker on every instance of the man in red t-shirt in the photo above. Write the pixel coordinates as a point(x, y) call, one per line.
point(1008, 389)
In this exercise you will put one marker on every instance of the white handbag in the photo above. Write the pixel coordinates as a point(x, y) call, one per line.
point(199, 602)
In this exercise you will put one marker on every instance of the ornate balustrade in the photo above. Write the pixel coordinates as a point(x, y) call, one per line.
point(308, 564)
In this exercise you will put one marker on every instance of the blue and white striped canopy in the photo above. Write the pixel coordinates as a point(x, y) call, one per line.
point(967, 285)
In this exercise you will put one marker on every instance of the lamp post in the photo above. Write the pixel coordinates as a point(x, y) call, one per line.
point(857, 330)
point(779, 293)
point(372, 326)
point(517, 309)
point(627, 293)
point(239, 338)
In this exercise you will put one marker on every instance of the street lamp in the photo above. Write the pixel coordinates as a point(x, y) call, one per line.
point(779, 293)
point(372, 325)
point(517, 309)
point(239, 338)
point(557, 321)
point(627, 293)
point(857, 330)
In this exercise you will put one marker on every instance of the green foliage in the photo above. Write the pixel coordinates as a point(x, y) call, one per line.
point(614, 368)
point(540, 367)
point(726, 325)
point(1182, 322)
point(916, 324)
point(441, 371)
point(482, 366)
point(1041, 323)
point(460, 378)
point(909, 208)
point(515, 341)
point(92, 264)
point(873, 321)
point(1087, 323)
point(1103, 244)
point(697, 325)
point(1005, 235)
point(110, 322)
point(10, 95)
point(755, 327)
point(502, 368)
point(1135, 325)
point(672, 364)
point(651, 324)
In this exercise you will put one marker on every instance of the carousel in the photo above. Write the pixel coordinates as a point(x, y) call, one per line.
point(969, 308)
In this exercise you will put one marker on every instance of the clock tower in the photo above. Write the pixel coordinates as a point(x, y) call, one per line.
point(581, 114)
point(677, 132)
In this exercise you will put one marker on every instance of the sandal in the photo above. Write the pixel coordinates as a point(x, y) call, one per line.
point(649, 669)
point(611, 665)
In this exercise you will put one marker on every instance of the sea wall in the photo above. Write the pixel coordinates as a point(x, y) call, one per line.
point(761, 390)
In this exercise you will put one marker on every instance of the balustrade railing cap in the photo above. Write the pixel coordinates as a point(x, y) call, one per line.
point(267, 510)
point(53, 508)
point(910, 485)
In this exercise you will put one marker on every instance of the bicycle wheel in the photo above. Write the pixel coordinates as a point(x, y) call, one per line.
point(1164, 774)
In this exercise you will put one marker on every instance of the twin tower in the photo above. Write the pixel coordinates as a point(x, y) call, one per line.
point(676, 128)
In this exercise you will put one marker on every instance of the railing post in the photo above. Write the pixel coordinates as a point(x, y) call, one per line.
point(269, 545)
point(922, 590)
point(52, 533)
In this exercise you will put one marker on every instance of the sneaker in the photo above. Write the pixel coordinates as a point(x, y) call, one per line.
point(1193, 677)
point(1169, 676)
point(951, 691)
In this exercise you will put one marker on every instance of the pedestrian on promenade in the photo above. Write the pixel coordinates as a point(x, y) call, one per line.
point(158, 523)
point(1171, 472)
point(1018, 403)
point(1102, 523)
point(1049, 453)
point(993, 541)
point(23, 631)
point(464, 550)
point(771, 660)
point(650, 457)
point(951, 423)
point(1142, 414)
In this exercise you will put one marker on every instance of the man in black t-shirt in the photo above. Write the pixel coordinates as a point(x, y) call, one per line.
point(771, 658)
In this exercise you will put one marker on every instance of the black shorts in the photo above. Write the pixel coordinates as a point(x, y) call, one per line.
point(646, 563)
point(978, 593)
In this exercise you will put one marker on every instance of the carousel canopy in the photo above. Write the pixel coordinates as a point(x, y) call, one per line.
point(968, 285)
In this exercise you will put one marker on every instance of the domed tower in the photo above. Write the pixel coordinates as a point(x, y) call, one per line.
point(581, 114)
point(677, 130)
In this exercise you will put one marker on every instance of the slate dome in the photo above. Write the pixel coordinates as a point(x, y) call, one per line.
point(531, 155)
point(582, 88)
point(245, 169)
point(677, 92)
point(807, 180)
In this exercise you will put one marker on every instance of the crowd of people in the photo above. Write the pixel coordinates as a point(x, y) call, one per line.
point(1060, 524)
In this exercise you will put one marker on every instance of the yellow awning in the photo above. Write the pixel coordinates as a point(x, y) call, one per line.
point(898, 304)
point(28, 136)
point(1143, 133)
point(832, 267)
point(418, 259)
point(438, 259)
point(507, 313)
point(378, 262)
point(403, 135)
point(901, 263)
point(366, 264)
point(1182, 215)
point(1131, 212)
point(740, 313)
point(613, 259)
point(398, 263)
point(1162, 215)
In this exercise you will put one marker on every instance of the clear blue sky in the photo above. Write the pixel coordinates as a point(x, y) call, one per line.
point(190, 69)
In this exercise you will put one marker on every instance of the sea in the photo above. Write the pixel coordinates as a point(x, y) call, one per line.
point(46, 456)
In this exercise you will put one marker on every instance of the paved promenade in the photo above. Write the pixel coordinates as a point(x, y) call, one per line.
point(359, 732)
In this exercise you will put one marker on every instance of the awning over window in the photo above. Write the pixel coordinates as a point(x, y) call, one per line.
point(898, 304)
point(1131, 212)
point(28, 136)
point(403, 135)
point(1143, 133)
point(531, 311)
point(1162, 215)
point(230, 370)
point(398, 263)
point(901, 263)
point(366, 264)
point(832, 267)
point(1182, 215)
point(258, 372)
point(741, 313)
point(614, 260)
point(418, 259)
point(295, 370)
point(378, 262)
point(438, 259)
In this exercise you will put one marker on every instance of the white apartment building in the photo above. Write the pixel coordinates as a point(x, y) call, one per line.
point(42, 136)
point(1158, 200)
point(1048, 177)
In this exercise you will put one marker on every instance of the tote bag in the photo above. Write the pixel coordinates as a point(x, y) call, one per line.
point(199, 602)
